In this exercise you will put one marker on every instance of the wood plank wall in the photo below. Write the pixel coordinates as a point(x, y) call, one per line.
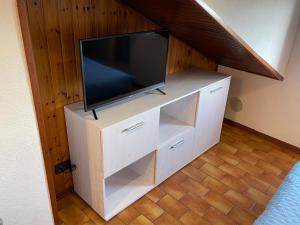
point(56, 27)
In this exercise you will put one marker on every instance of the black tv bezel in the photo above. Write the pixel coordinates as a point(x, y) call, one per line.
point(119, 98)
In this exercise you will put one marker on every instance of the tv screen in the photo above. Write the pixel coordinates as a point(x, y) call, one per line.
point(120, 66)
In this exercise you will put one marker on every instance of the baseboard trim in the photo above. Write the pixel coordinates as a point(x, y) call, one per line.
point(262, 135)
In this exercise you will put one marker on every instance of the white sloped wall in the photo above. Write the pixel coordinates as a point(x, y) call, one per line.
point(268, 26)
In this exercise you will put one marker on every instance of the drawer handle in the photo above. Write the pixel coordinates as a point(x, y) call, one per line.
point(215, 90)
point(135, 126)
point(177, 144)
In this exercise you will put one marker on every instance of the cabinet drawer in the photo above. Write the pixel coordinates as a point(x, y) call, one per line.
point(129, 140)
point(175, 155)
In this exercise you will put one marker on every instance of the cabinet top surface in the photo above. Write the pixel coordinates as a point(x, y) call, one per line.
point(177, 86)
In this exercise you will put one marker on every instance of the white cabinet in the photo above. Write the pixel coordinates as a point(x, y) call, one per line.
point(127, 141)
point(136, 145)
point(174, 155)
point(210, 115)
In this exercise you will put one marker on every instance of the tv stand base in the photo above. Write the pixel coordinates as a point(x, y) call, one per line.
point(158, 89)
point(94, 113)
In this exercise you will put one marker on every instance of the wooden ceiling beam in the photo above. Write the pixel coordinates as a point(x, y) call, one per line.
point(194, 22)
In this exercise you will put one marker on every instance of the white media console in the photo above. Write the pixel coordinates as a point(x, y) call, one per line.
point(137, 144)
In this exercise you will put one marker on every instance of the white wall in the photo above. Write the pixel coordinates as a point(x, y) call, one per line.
point(24, 197)
point(270, 106)
point(268, 26)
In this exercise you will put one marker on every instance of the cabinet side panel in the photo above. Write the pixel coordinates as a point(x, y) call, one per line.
point(86, 153)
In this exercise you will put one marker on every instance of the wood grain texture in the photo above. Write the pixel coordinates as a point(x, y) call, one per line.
point(55, 28)
point(185, 200)
point(198, 25)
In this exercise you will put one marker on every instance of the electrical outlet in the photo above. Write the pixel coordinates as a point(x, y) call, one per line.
point(63, 166)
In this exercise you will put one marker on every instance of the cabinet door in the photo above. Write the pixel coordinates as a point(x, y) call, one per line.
point(212, 103)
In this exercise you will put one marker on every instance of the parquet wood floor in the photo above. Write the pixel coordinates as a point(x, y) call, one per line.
point(228, 185)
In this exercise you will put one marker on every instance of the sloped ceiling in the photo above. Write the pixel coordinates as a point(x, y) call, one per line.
point(197, 24)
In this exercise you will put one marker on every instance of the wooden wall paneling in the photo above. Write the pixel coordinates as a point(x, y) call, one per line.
point(66, 32)
point(181, 57)
point(76, 37)
point(39, 107)
point(50, 9)
point(40, 49)
point(56, 27)
point(65, 17)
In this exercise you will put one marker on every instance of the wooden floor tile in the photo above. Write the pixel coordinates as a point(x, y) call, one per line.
point(191, 218)
point(212, 159)
point(212, 171)
point(259, 145)
point(60, 222)
point(156, 194)
point(241, 216)
point(172, 206)
point(229, 158)
point(280, 154)
point(241, 146)
point(215, 185)
point(172, 188)
point(167, 219)
point(283, 174)
point(198, 163)
point(178, 177)
point(218, 201)
point(271, 179)
point(141, 220)
point(232, 170)
point(230, 184)
point(72, 215)
point(257, 209)
point(71, 199)
point(228, 148)
point(247, 167)
point(129, 214)
point(148, 208)
point(195, 203)
point(88, 223)
point(271, 191)
point(239, 199)
point(263, 155)
point(215, 217)
point(283, 164)
point(258, 196)
point(256, 182)
point(93, 216)
point(269, 168)
point(190, 185)
point(115, 221)
point(234, 183)
point(247, 157)
point(194, 173)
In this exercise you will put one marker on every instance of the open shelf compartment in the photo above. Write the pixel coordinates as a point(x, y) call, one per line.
point(129, 184)
point(177, 117)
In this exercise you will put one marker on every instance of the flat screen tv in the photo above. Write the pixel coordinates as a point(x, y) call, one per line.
point(121, 66)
